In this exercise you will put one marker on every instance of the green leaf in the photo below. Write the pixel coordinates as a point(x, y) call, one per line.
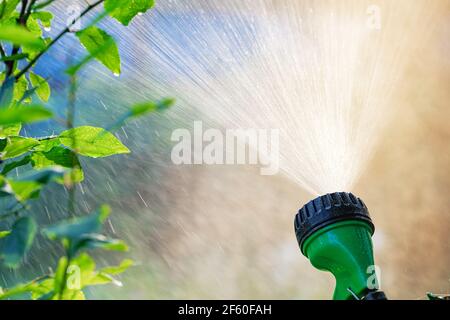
point(41, 85)
point(86, 269)
point(92, 39)
point(4, 233)
point(33, 26)
point(139, 110)
point(7, 7)
point(122, 267)
point(47, 144)
point(9, 129)
point(146, 107)
point(125, 10)
point(18, 242)
point(94, 240)
point(43, 176)
point(60, 157)
point(15, 164)
point(19, 35)
point(89, 276)
point(92, 142)
point(75, 228)
point(20, 89)
point(43, 290)
point(44, 16)
point(16, 146)
point(18, 290)
point(73, 295)
point(28, 114)
point(25, 190)
point(28, 186)
point(7, 93)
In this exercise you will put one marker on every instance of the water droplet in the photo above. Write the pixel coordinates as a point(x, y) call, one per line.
point(116, 74)
point(48, 29)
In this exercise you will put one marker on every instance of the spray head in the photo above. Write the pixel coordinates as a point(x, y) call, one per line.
point(334, 231)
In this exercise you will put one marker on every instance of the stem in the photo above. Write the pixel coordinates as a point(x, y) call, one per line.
point(2, 51)
point(70, 125)
point(72, 187)
point(59, 36)
point(22, 20)
point(63, 288)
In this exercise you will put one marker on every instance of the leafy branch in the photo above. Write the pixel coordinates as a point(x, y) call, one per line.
point(55, 158)
point(58, 37)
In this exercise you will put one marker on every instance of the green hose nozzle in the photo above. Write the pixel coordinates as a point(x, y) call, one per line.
point(334, 231)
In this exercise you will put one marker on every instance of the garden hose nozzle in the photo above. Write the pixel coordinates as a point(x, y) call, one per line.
point(334, 231)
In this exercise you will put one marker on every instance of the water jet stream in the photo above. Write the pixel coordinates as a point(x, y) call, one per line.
point(322, 72)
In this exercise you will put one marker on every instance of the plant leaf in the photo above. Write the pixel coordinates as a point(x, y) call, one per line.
point(28, 114)
point(94, 240)
point(125, 10)
point(143, 108)
point(93, 39)
point(41, 85)
point(4, 233)
point(18, 242)
point(16, 146)
point(19, 35)
point(7, 93)
point(15, 164)
point(122, 267)
point(92, 142)
point(43, 176)
point(9, 129)
point(25, 190)
point(44, 16)
point(60, 157)
point(75, 228)
point(47, 144)
point(7, 7)
point(20, 88)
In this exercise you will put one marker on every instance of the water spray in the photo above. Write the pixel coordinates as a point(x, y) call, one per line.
point(334, 232)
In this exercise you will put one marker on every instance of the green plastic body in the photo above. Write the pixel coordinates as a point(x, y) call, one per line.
point(344, 249)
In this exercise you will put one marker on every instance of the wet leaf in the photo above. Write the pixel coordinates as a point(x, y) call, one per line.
point(44, 16)
point(94, 39)
point(7, 7)
point(28, 114)
point(143, 108)
point(6, 93)
point(16, 146)
point(92, 142)
point(41, 85)
point(9, 129)
point(20, 36)
point(59, 157)
point(75, 228)
point(25, 190)
point(18, 242)
point(125, 10)
point(15, 164)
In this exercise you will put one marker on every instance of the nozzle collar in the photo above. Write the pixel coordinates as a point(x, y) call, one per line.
point(326, 210)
